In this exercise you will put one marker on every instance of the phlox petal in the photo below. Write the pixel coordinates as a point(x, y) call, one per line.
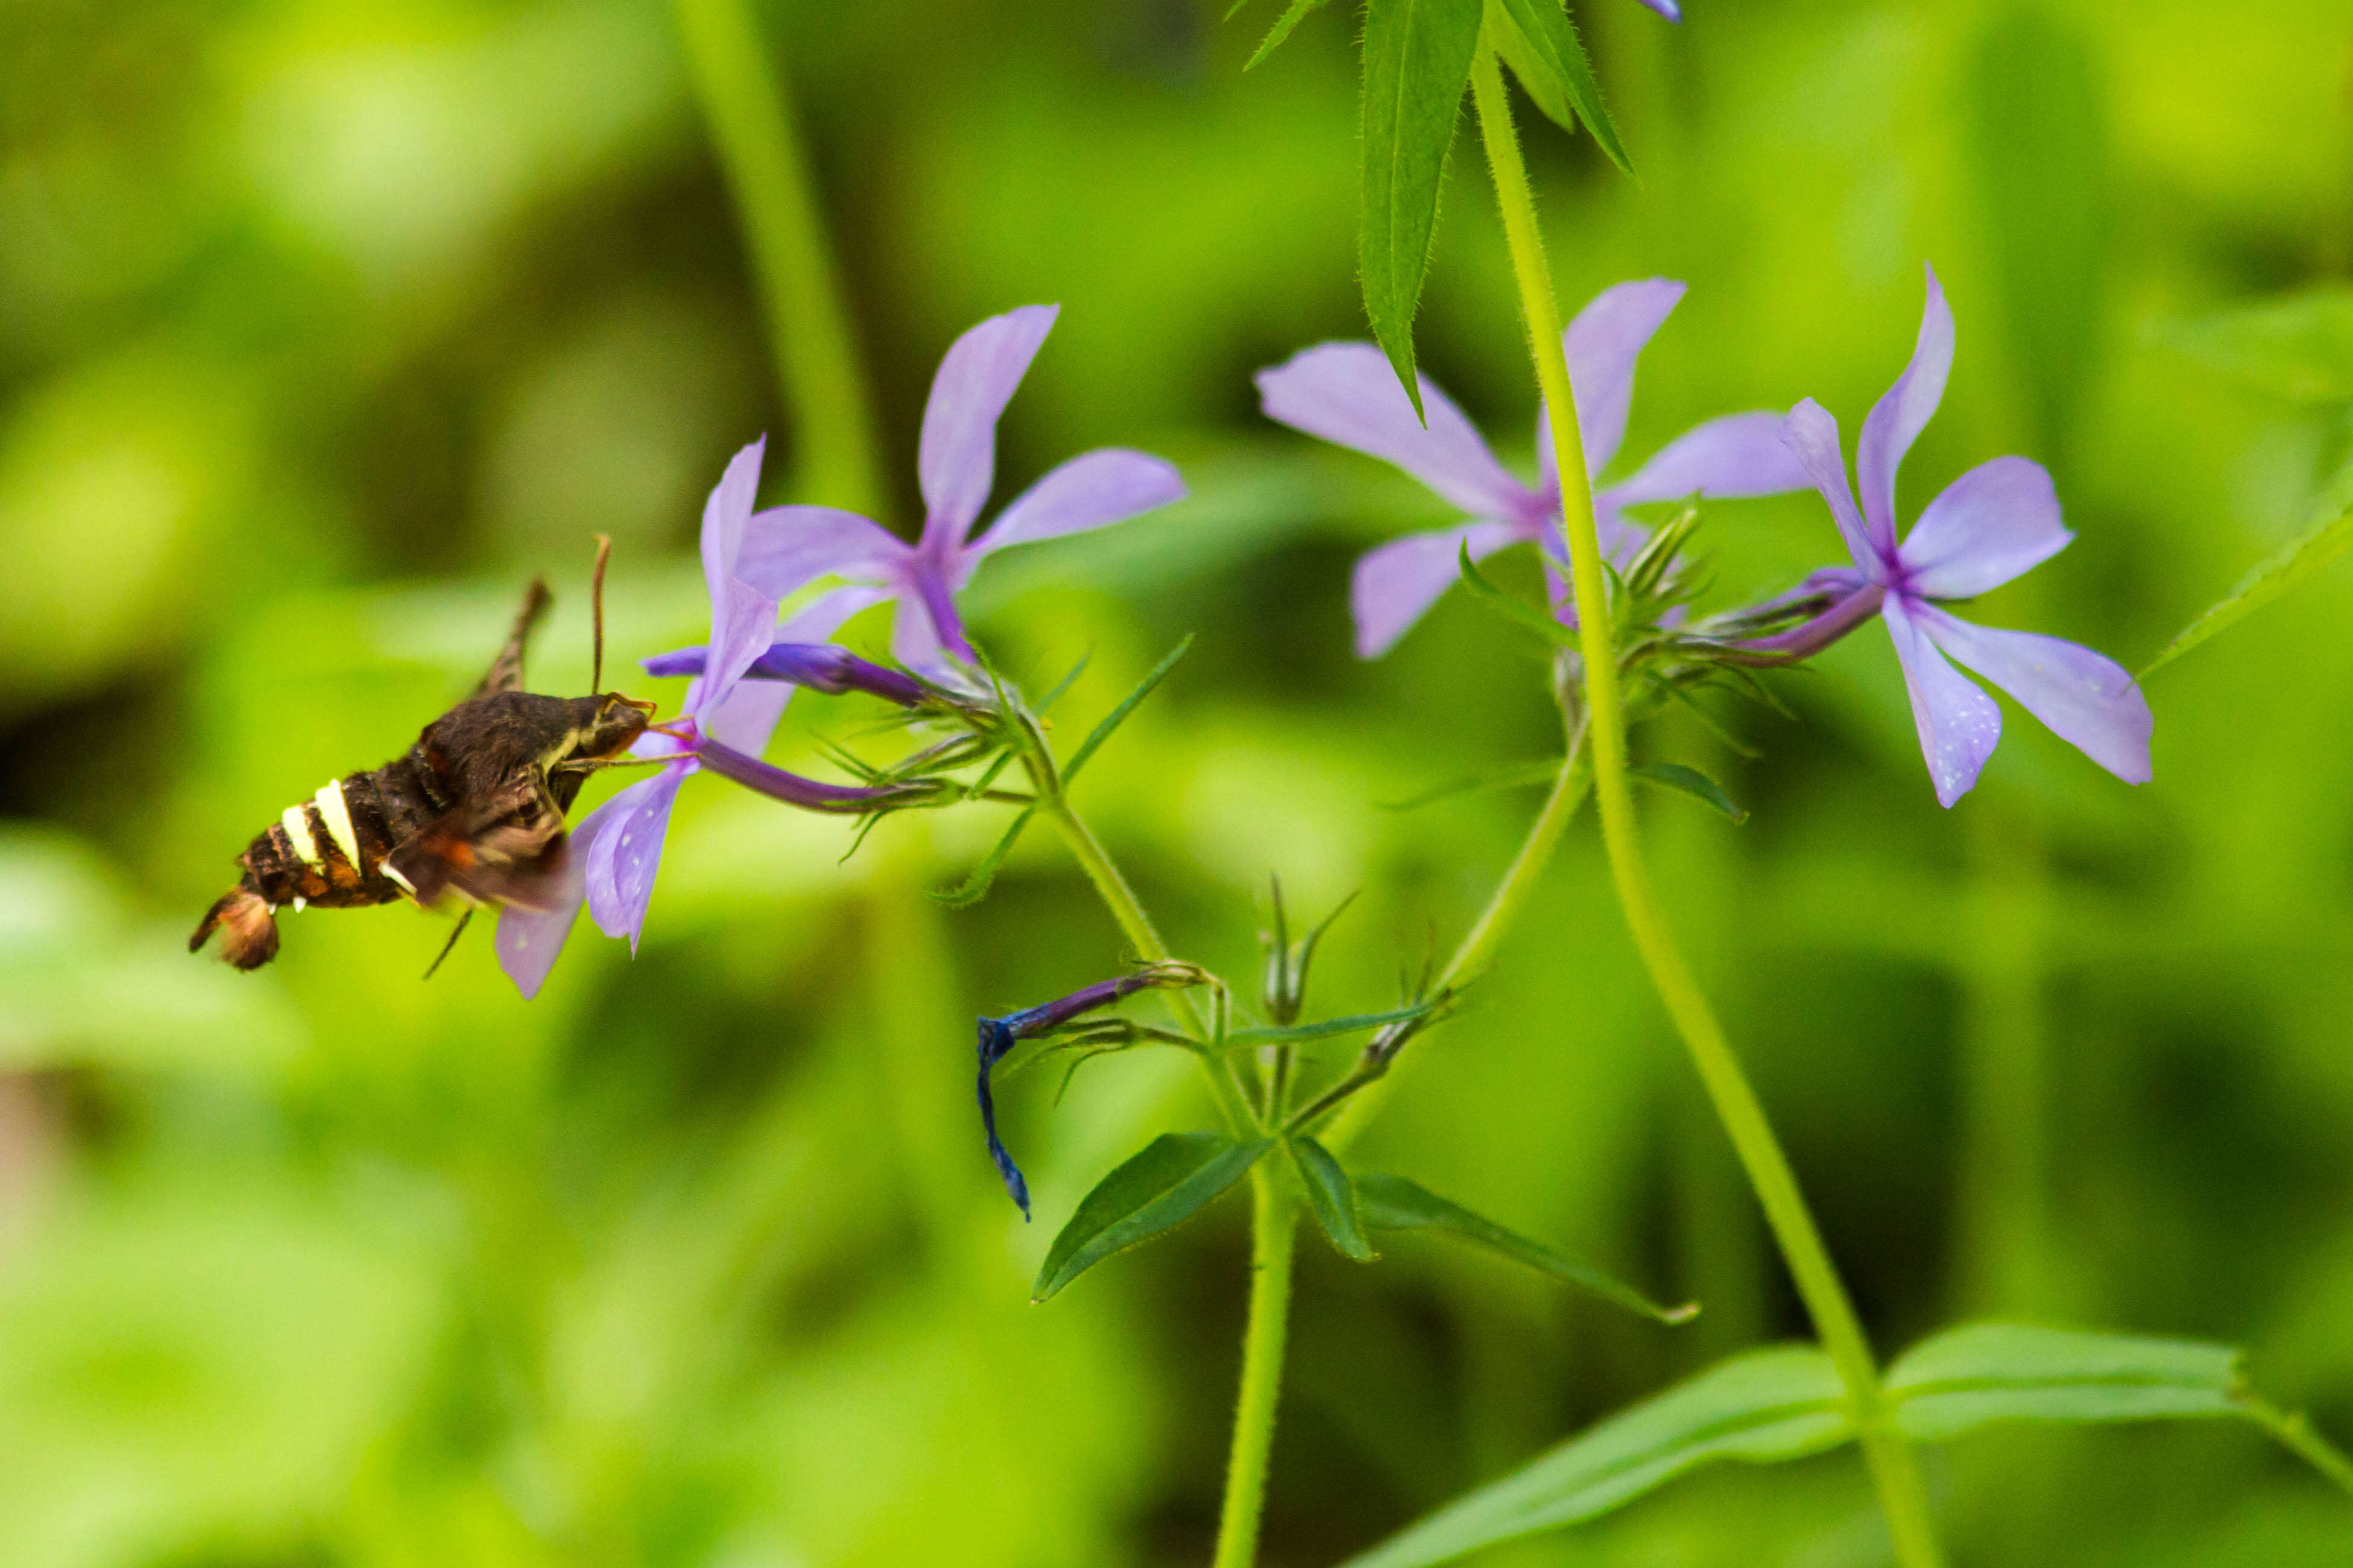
point(1737, 455)
point(2089, 701)
point(1959, 724)
point(956, 462)
point(786, 548)
point(619, 866)
point(1395, 584)
point(742, 616)
point(1812, 433)
point(1089, 491)
point(1988, 526)
point(1602, 344)
point(1896, 420)
point(1347, 393)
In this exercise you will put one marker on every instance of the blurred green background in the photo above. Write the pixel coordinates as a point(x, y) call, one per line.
point(322, 327)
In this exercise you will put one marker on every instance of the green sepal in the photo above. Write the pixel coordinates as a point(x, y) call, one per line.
point(1417, 55)
point(1692, 782)
point(1516, 611)
point(1516, 776)
point(1538, 41)
point(1393, 1203)
point(1332, 1198)
point(1322, 1029)
point(1163, 1186)
point(1118, 716)
point(977, 883)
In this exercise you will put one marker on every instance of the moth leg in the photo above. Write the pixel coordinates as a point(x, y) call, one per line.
point(451, 943)
point(506, 670)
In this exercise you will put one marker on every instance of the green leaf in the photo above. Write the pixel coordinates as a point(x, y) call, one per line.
point(1333, 1198)
point(1692, 782)
point(1282, 30)
point(1979, 1373)
point(1780, 1403)
point(1538, 41)
point(1518, 775)
point(2299, 348)
point(1320, 1028)
point(1118, 716)
point(1162, 1186)
point(1518, 611)
point(1417, 56)
point(1392, 1202)
point(976, 886)
point(2323, 544)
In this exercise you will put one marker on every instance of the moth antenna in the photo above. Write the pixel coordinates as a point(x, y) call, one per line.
point(596, 612)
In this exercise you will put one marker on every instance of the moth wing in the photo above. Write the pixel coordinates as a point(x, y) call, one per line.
point(506, 670)
point(506, 849)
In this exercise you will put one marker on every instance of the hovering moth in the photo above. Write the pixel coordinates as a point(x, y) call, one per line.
point(474, 809)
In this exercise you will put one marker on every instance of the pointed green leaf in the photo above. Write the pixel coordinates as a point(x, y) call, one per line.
point(976, 886)
point(1162, 1186)
point(1516, 611)
point(2296, 562)
point(1692, 782)
point(1538, 41)
point(1282, 30)
point(1322, 1029)
point(1983, 1372)
point(2299, 348)
point(1333, 1198)
point(1770, 1405)
point(1418, 58)
point(1392, 1202)
point(1118, 716)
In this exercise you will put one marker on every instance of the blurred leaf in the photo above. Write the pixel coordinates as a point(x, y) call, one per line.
point(1540, 43)
point(1692, 782)
point(1290, 18)
point(1517, 611)
point(1332, 1199)
point(1979, 1373)
point(2039, 136)
point(2294, 562)
point(1322, 1029)
point(1518, 775)
point(1118, 716)
point(975, 884)
point(1780, 1403)
point(2299, 348)
point(1392, 1202)
point(1417, 56)
point(1163, 1186)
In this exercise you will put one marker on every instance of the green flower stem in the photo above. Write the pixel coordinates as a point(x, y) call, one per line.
point(751, 123)
point(2293, 1429)
point(1274, 1214)
point(1894, 1470)
point(1477, 949)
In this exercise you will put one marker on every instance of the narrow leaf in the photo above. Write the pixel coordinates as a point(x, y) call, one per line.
point(1282, 30)
point(1770, 1405)
point(1540, 43)
point(2299, 348)
point(1118, 716)
point(1333, 1198)
point(1392, 1202)
point(1517, 611)
point(1418, 58)
point(976, 886)
point(2297, 560)
point(1162, 1186)
point(1692, 782)
point(1514, 777)
point(1322, 1029)
point(1979, 1373)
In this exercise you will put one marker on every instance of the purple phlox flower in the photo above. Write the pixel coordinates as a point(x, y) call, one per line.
point(1988, 526)
point(792, 546)
point(724, 724)
point(1667, 8)
point(1347, 393)
point(795, 660)
point(999, 1036)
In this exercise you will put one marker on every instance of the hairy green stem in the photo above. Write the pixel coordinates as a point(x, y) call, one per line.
point(817, 363)
point(1275, 1214)
point(1894, 1470)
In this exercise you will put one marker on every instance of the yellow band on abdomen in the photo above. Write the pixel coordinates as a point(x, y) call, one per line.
point(298, 828)
point(338, 818)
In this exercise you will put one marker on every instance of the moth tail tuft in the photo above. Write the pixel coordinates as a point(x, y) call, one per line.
point(248, 929)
